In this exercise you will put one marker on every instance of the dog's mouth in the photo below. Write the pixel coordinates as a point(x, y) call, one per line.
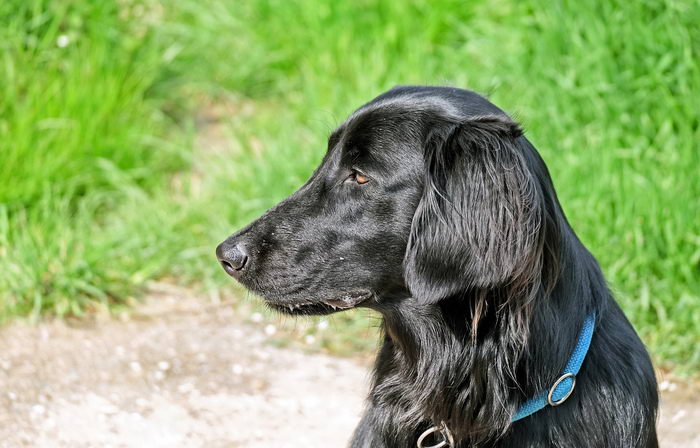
point(324, 306)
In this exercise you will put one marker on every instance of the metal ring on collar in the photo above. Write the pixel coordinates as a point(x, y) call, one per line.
point(447, 440)
point(557, 383)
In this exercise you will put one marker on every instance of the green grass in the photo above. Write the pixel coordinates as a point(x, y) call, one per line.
point(78, 136)
point(106, 187)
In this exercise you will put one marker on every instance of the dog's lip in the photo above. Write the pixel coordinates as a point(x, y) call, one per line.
point(338, 303)
point(349, 300)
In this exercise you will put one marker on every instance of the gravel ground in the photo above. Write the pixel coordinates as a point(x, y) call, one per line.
point(183, 372)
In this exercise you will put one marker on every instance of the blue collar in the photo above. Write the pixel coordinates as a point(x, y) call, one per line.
point(556, 395)
point(564, 386)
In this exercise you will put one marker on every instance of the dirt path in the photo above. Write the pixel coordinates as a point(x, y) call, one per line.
point(182, 372)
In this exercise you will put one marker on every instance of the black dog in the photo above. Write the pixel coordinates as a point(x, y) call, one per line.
point(432, 208)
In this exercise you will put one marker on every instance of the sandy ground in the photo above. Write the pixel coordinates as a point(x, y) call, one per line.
point(182, 372)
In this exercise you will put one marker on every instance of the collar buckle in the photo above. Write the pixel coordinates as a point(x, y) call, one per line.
point(558, 383)
point(447, 439)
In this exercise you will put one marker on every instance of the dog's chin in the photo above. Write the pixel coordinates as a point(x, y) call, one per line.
point(321, 306)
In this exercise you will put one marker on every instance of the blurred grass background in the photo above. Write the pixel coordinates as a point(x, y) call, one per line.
point(137, 134)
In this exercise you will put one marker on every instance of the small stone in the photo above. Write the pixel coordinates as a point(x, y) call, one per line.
point(322, 325)
point(309, 339)
point(164, 365)
point(270, 329)
point(237, 369)
point(185, 388)
point(256, 317)
point(679, 415)
point(135, 367)
point(667, 385)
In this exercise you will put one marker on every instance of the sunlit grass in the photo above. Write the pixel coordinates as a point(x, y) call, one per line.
point(92, 132)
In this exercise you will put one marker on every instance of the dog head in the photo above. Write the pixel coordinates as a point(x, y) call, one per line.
point(425, 192)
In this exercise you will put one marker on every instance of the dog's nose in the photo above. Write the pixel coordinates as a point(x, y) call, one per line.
point(233, 258)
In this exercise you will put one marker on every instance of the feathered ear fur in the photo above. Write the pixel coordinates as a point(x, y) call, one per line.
point(478, 224)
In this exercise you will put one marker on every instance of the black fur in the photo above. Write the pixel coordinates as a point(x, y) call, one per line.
point(459, 241)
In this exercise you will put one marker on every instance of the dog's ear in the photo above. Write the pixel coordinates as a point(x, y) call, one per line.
point(477, 226)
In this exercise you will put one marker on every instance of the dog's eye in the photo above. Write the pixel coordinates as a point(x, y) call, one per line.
point(358, 177)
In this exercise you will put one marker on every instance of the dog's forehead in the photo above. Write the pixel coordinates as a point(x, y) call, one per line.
point(404, 113)
point(384, 127)
point(380, 137)
point(390, 130)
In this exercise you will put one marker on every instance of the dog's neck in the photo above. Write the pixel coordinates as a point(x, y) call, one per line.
point(443, 374)
point(433, 367)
